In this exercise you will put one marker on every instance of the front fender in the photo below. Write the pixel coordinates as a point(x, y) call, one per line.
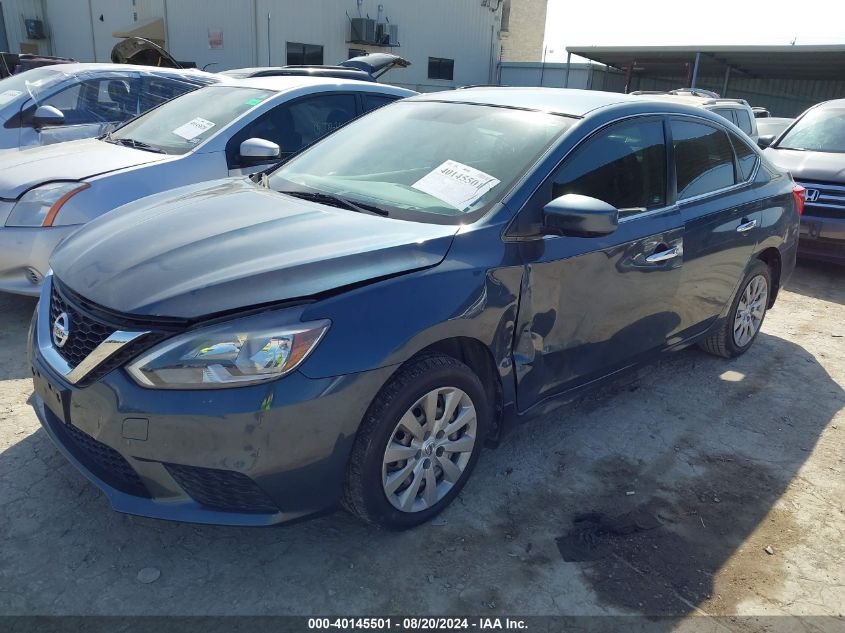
point(387, 322)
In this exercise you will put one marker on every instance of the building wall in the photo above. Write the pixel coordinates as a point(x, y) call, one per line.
point(583, 76)
point(523, 39)
point(256, 32)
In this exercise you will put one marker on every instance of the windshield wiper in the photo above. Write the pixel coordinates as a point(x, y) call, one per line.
point(131, 142)
point(337, 201)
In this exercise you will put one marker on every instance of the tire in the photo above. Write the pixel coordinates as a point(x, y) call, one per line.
point(407, 399)
point(724, 342)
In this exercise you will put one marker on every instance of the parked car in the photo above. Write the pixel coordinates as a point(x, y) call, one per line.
point(72, 101)
point(227, 129)
point(364, 68)
point(351, 327)
point(813, 150)
point(769, 128)
point(737, 111)
point(15, 63)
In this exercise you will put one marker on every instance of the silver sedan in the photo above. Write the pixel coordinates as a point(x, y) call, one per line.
point(230, 129)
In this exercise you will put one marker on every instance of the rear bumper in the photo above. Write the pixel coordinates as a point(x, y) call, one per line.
point(822, 239)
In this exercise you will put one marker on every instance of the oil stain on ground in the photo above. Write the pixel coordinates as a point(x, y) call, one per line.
point(665, 556)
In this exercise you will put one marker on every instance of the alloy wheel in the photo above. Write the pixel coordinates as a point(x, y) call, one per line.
point(750, 310)
point(429, 449)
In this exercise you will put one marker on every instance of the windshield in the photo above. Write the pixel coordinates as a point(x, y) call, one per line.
point(178, 126)
point(424, 160)
point(820, 130)
point(30, 83)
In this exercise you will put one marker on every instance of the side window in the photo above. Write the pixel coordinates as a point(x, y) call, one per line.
point(294, 125)
point(299, 54)
point(65, 100)
point(746, 156)
point(157, 90)
point(98, 100)
point(373, 102)
point(724, 112)
point(441, 68)
point(317, 116)
point(704, 160)
point(743, 121)
point(625, 166)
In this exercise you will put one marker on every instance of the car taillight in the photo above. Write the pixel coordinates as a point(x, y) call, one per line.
point(798, 192)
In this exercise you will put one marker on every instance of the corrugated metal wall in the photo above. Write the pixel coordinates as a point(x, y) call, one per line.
point(782, 97)
point(14, 13)
point(553, 75)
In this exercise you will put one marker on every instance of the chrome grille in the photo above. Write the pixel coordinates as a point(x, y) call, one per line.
point(87, 330)
point(829, 202)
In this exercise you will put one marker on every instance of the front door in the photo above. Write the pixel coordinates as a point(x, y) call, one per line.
point(592, 306)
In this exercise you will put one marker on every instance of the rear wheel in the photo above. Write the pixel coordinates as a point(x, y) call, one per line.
point(417, 444)
point(739, 330)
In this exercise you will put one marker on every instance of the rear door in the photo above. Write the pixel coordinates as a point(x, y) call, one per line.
point(713, 171)
point(591, 306)
point(293, 125)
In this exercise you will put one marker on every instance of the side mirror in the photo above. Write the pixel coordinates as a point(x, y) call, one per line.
point(259, 150)
point(580, 216)
point(47, 115)
point(764, 141)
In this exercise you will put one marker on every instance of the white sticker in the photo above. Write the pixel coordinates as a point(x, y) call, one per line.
point(193, 128)
point(456, 184)
point(9, 95)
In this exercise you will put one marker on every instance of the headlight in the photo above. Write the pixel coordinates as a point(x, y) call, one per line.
point(232, 354)
point(39, 206)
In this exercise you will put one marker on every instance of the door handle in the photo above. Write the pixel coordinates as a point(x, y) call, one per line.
point(746, 226)
point(665, 256)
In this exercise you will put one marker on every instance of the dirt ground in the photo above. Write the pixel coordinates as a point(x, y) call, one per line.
point(659, 495)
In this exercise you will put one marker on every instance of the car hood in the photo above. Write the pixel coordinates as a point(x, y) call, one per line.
point(231, 244)
point(822, 166)
point(21, 169)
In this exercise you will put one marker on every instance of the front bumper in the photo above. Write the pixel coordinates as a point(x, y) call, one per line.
point(253, 455)
point(822, 238)
point(24, 256)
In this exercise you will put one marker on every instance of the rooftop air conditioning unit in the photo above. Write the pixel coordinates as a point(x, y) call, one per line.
point(362, 30)
point(382, 35)
point(394, 34)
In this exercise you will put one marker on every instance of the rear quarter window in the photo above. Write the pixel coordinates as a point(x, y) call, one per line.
point(704, 158)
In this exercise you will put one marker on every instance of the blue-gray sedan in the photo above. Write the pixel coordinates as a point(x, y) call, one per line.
point(350, 328)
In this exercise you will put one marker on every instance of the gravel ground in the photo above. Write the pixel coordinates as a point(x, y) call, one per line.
point(697, 486)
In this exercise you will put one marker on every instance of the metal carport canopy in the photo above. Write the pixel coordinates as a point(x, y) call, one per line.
point(771, 62)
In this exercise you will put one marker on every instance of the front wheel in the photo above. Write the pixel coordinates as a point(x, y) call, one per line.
point(418, 443)
point(739, 330)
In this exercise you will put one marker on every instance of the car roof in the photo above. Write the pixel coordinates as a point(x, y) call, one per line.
point(696, 101)
point(83, 67)
point(567, 101)
point(833, 103)
point(285, 83)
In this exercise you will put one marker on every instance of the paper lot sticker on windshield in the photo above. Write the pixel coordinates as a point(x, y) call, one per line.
point(193, 128)
point(456, 184)
point(9, 95)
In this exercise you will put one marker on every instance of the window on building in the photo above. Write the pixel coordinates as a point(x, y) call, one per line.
point(356, 52)
point(441, 68)
point(704, 160)
point(304, 54)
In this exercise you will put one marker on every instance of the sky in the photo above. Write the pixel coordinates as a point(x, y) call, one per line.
point(681, 22)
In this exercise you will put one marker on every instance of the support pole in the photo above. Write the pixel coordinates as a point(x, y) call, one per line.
point(604, 78)
point(628, 72)
point(568, 64)
point(695, 71)
point(725, 84)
